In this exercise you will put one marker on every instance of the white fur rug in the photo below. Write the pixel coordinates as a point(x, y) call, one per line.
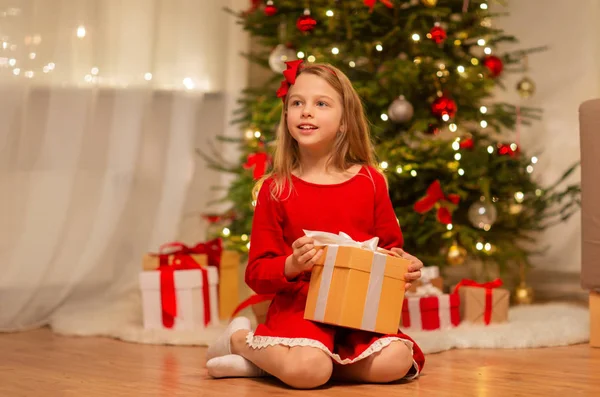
point(544, 325)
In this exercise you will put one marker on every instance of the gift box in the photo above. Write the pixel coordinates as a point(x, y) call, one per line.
point(228, 283)
point(483, 303)
point(426, 313)
point(179, 299)
point(595, 318)
point(210, 253)
point(356, 284)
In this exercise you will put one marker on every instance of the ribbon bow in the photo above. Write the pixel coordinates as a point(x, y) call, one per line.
point(436, 195)
point(425, 290)
point(212, 248)
point(489, 286)
point(290, 77)
point(371, 4)
point(342, 239)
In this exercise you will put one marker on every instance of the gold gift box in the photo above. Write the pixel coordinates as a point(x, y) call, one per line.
point(357, 288)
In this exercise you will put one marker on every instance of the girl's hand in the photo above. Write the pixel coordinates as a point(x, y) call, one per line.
point(414, 269)
point(303, 258)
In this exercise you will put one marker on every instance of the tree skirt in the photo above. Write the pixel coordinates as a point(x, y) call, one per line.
point(541, 325)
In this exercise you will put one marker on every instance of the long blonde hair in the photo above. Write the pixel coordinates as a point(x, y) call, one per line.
point(352, 144)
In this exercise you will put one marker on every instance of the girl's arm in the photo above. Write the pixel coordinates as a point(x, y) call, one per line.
point(268, 250)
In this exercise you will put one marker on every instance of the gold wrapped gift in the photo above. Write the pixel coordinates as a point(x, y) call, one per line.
point(356, 285)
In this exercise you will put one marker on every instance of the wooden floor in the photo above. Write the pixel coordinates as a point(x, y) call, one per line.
point(40, 363)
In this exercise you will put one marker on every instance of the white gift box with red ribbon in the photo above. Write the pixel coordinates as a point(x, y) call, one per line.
point(178, 301)
point(429, 309)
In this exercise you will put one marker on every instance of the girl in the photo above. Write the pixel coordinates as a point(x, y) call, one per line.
point(324, 178)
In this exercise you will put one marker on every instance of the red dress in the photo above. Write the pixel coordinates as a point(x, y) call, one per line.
point(360, 207)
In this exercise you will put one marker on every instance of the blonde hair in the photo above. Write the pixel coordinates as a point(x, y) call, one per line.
point(352, 144)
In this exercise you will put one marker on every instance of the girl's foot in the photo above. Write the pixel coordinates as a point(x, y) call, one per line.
point(222, 346)
point(233, 366)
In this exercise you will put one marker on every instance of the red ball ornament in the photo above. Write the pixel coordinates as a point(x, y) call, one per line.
point(511, 150)
point(306, 23)
point(443, 105)
point(494, 65)
point(270, 9)
point(438, 34)
point(467, 143)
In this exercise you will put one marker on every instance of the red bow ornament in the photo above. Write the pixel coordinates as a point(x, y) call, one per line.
point(260, 162)
point(489, 286)
point(290, 77)
point(371, 4)
point(434, 196)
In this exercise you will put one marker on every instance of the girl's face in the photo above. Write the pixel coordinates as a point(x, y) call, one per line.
point(314, 113)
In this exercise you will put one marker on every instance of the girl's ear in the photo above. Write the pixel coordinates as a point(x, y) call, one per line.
point(342, 128)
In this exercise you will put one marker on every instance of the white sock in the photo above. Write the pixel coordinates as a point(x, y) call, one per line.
point(233, 366)
point(222, 345)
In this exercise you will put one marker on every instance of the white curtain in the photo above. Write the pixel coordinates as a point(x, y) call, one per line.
point(102, 105)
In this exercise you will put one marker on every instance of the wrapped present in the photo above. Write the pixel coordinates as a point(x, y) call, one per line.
point(260, 305)
point(429, 275)
point(429, 309)
point(179, 297)
point(356, 284)
point(483, 303)
point(210, 253)
point(595, 318)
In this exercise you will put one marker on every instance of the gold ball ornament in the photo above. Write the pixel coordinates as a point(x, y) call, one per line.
point(523, 294)
point(429, 3)
point(526, 87)
point(456, 255)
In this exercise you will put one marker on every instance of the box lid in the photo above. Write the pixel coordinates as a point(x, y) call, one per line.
point(184, 279)
point(361, 259)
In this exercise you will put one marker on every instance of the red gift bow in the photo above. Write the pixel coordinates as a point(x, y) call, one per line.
point(290, 77)
point(371, 4)
point(489, 286)
point(168, 298)
point(252, 300)
point(212, 248)
point(433, 196)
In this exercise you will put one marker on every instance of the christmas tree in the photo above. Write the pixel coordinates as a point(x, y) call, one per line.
point(459, 181)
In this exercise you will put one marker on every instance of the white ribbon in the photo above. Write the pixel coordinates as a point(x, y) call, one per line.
point(444, 311)
point(424, 290)
point(342, 239)
point(428, 273)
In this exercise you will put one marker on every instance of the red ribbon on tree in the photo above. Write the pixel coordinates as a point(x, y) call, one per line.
point(434, 196)
point(371, 4)
point(259, 161)
point(252, 300)
point(489, 286)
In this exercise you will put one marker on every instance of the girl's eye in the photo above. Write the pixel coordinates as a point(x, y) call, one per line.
point(321, 103)
point(295, 103)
